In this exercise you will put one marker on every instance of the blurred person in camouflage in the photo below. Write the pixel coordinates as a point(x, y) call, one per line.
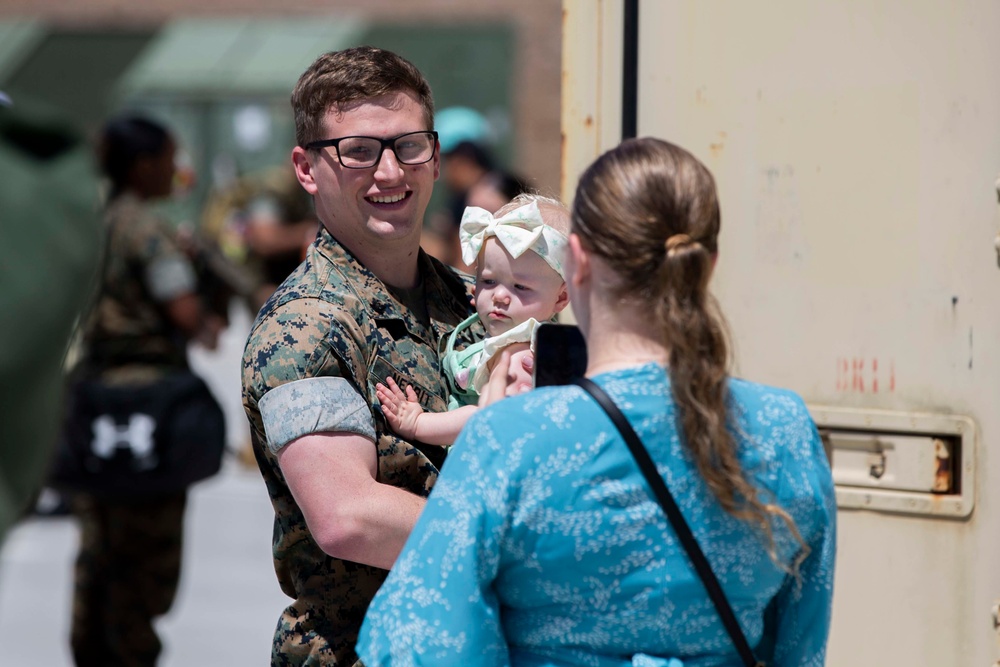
point(147, 309)
point(463, 165)
point(49, 226)
point(366, 305)
point(264, 221)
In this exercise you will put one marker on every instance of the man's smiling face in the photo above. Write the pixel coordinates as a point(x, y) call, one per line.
point(382, 206)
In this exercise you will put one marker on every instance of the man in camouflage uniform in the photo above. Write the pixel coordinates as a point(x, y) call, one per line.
point(367, 304)
point(147, 308)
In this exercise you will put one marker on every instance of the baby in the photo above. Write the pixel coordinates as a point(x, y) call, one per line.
point(519, 257)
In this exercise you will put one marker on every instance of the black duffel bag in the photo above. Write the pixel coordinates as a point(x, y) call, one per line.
point(139, 440)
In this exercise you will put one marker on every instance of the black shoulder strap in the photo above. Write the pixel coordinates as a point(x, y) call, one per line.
point(681, 528)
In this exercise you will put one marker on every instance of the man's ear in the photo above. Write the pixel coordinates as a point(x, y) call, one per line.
point(303, 169)
point(437, 161)
point(581, 261)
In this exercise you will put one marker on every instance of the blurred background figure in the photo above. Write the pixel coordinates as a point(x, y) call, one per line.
point(49, 226)
point(148, 307)
point(264, 221)
point(471, 175)
point(464, 165)
point(466, 157)
point(461, 168)
point(496, 189)
point(221, 83)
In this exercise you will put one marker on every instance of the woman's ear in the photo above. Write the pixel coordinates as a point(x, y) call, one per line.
point(562, 300)
point(579, 261)
point(303, 169)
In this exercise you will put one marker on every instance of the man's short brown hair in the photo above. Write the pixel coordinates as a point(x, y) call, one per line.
point(339, 78)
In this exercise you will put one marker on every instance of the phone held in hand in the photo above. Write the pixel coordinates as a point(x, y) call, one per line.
point(560, 354)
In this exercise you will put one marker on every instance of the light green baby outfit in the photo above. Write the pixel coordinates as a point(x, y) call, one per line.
point(467, 369)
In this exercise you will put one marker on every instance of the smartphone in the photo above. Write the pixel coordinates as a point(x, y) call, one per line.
point(560, 354)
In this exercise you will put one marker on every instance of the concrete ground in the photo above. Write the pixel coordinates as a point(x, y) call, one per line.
point(228, 603)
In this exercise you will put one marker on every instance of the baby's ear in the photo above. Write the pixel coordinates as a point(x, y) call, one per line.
point(563, 299)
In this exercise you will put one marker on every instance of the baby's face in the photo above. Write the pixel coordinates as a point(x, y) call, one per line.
point(510, 291)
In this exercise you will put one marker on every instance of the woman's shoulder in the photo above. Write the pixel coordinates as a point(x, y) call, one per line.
point(778, 425)
point(133, 225)
point(773, 403)
point(784, 451)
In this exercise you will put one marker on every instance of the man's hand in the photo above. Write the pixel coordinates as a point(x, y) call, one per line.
point(401, 410)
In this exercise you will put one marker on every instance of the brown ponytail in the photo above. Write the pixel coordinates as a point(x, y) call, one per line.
point(649, 210)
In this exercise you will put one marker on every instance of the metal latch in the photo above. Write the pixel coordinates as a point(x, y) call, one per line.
point(900, 462)
point(892, 461)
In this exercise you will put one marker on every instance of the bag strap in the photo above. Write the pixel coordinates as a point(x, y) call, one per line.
point(681, 528)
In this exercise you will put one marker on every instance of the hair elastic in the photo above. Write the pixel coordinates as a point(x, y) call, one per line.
point(678, 241)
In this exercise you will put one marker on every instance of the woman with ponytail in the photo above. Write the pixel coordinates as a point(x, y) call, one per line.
point(542, 544)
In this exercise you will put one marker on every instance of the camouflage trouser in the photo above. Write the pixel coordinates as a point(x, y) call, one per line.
point(126, 575)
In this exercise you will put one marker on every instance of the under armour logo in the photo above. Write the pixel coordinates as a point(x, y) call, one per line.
point(136, 436)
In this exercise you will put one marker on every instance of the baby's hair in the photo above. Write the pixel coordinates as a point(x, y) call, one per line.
point(553, 211)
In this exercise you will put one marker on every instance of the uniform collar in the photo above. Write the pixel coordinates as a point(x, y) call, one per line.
point(448, 295)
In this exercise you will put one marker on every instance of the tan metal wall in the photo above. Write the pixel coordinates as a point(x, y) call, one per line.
point(856, 145)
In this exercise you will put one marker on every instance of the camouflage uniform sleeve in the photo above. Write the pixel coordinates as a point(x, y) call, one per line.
point(167, 272)
point(313, 405)
point(301, 371)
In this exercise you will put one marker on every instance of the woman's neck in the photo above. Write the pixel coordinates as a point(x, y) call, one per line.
point(623, 339)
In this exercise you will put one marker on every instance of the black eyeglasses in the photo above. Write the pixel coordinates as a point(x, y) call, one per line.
point(365, 152)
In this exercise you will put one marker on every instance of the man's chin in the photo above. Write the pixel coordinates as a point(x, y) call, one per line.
point(394, 230)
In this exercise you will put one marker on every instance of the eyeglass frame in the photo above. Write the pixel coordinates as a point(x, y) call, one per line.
point(385, 143)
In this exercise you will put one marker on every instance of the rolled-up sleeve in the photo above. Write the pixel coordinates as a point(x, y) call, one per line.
point(314, 405)
point(170, 277)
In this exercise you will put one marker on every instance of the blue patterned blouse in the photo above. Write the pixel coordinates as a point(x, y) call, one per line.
point(540, 544)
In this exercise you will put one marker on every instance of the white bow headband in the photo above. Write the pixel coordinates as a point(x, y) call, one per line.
point(520, 230)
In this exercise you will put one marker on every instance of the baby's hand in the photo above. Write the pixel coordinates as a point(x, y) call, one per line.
point(401, 410)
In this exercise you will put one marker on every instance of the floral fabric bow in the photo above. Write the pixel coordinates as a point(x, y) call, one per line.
point(520, 230)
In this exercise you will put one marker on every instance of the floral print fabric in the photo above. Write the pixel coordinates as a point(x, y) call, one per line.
point(541, 544)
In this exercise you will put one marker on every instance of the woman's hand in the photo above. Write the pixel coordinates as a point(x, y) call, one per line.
point(496, 387)
point(510, 374)
point(520, 377)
